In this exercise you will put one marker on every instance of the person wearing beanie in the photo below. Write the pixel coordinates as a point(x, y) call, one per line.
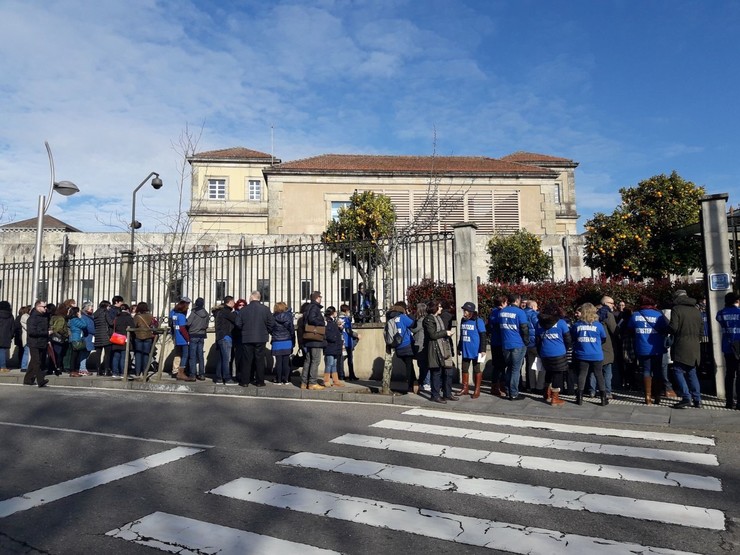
point(198, 320)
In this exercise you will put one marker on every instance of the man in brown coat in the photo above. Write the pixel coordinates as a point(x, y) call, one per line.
point(686, 327)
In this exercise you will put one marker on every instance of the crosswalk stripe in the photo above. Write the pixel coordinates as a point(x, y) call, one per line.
point(70, 487)
point(179, 534)
point(646, 475)
point(659, 511)
point(460, 529)
point(564, 428)
point(564, 445)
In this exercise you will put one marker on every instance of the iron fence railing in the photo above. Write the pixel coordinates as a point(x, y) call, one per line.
point(288, 272)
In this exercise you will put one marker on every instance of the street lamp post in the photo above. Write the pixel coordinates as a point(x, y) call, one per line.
point(157, 184)
point(127, 257)
point(65, 188)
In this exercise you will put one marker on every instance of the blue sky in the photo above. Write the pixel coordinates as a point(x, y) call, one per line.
point(628, 89)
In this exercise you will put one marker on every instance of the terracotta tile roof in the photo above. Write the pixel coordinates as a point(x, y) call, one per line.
point(538, 159)
point(425, 165)
point(50, 222)
point(234, 153)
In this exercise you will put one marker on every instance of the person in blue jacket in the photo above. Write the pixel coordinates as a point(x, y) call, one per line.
point(588, 335)
point(514, 328)
point(553, 342)
point(471, 344)
point(729, 321)
point(649, 328)
point(498, 364)
point(405, 350)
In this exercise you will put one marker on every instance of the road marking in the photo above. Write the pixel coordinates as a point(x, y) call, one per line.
point(564, 428)
point(559, 444)
point(70, 487)
point(646, 475)
point(103, 434)
point(432, 524)
point(178, 534)
point(659, 511)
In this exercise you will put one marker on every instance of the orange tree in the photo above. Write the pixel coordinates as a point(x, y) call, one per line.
point(642, 238)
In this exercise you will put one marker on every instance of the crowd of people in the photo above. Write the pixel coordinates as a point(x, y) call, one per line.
point(600, 348)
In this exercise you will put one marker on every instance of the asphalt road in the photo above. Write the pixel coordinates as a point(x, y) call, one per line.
point(130, 468)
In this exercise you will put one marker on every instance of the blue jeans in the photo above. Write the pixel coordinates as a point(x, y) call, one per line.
point(691, 390)
point(607, 370)
point(223, 370)
point(664, 368)
point(3, 358)
point(141, 354)
point(196, 356)
point(514, 358)
point(330, 364)
point(83, 359)
point(184, 356)
point(25, 358)
point(118, 357)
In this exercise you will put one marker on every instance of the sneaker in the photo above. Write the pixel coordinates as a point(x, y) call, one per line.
point(229, 383)
point(116, 377)
point(426, 387)
point(697, 404)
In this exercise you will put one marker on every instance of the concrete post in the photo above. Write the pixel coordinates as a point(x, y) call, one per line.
point(718, 276)
point(127, 275)
point(466, 283)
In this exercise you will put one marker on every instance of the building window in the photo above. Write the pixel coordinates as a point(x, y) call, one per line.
point(263, 286)
point(175, 290)
point(336, 205)
point(254, 190)
point(556, 191)
point(220, 290)
point(305, 289)
point(87, 290)
point(217, 189)
point(346, 290)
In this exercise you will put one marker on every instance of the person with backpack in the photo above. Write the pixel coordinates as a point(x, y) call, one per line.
point(471, 346)
point(398, 336)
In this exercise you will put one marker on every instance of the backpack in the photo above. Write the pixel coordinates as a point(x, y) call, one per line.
point(391, 333)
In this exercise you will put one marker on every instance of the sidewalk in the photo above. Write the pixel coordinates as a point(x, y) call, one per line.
point(626, 408)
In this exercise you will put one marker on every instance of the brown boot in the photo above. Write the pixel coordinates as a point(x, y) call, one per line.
point(181, 374)
point(335, 380)
point(548, 394)
point(327, 380)
point(648, 384)
point(555, 399)
point(465, 389)
point(477, 379)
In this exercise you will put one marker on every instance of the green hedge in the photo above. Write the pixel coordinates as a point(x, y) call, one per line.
point(567, 295)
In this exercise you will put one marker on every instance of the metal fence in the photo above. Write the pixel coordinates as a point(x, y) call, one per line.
point(287, 273)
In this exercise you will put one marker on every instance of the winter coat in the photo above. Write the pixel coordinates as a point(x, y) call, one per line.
point(255, 322)
point(58, 324)
point(314, 317)
point(225, 322)
point(7, 329)
point(145, 320)
point(198, 320)
point(38, 330)
point(284, 330)
point(102, 328)
point(123, 320)
point(434, 334)
point(333, 339)
point(77, 329)
point(90, 324)
point(687, 328)
point(612, 333)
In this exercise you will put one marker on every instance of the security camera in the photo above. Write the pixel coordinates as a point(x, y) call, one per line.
point(157, 183)
point(136, 224)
